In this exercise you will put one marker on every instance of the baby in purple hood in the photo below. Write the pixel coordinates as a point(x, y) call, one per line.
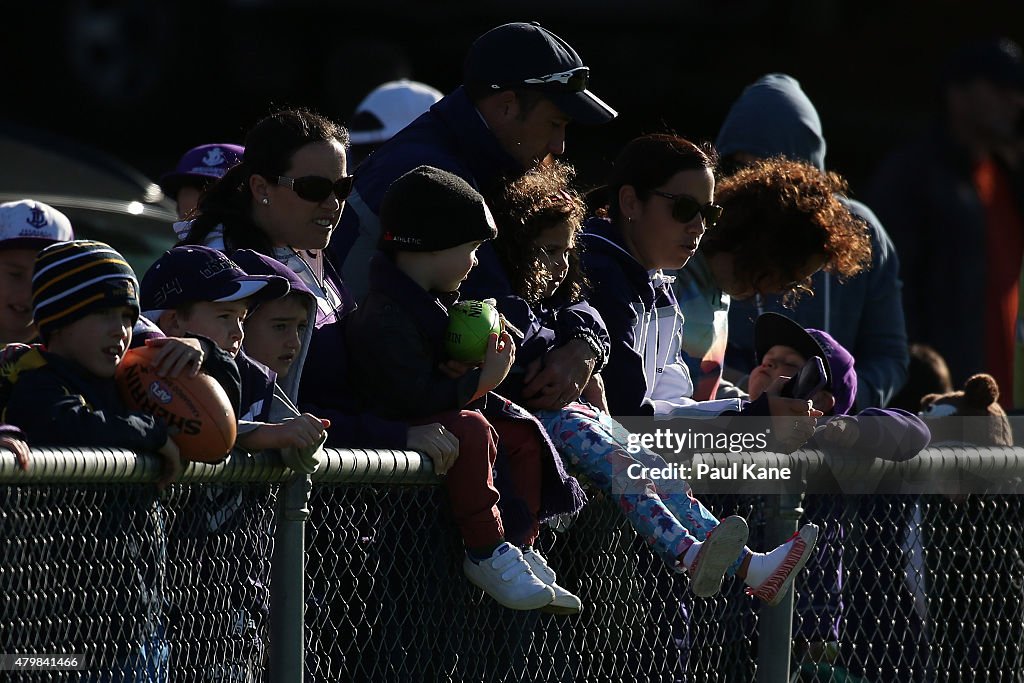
point(782, 346)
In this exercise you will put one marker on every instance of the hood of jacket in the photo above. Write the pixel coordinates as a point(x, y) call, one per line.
point(602, 237)
point(773, 117)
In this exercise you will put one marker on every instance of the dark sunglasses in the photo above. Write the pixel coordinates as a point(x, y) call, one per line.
point(685, 208)
point(314, 188)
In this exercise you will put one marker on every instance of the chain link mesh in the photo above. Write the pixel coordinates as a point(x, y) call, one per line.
point(144, 589)
point(902, 588)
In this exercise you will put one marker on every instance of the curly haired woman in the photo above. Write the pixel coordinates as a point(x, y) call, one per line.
point(782, 222)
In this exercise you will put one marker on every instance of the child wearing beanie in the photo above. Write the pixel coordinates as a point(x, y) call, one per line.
point(62, 393)
point(396, 342)
point(85, 303)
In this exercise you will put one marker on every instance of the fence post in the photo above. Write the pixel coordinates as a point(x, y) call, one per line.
point(287, 582)
point(775, 624)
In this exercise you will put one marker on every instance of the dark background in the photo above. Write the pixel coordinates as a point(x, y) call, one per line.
point(147, 80)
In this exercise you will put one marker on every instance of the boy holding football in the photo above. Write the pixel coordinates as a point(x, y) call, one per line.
point(62, 393)
point(425, 256)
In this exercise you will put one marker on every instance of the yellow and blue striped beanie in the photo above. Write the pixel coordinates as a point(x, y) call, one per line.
point(73, 279)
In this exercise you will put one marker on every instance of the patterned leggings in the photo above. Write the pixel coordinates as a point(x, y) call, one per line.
point(664, 512)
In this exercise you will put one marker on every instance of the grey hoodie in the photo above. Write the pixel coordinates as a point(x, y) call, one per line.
point(774, 117)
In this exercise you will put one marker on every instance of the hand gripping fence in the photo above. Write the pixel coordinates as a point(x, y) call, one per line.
point(918, 577)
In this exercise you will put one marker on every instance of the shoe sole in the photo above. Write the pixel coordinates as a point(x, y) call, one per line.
point(543, 597)
point(552, 608)
point(809, 547)
point(719, 551)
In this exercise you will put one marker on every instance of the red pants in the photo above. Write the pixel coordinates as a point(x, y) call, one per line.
point(470, 481)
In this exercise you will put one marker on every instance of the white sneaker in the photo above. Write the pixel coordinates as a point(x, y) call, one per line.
point(718, 551)
point(564, 602)
point(507, 578)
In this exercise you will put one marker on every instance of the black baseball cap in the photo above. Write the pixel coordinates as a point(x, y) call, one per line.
point(772, 329)
point(528, 56)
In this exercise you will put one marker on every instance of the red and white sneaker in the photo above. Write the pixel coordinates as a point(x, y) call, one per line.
point(801, 546)
point(718, 551)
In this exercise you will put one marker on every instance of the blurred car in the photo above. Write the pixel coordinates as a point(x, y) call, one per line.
point(105, 199)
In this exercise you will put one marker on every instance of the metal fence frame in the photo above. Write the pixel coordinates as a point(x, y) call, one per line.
point(930, 469)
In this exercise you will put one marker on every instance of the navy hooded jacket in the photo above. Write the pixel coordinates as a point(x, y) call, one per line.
point(774, 117)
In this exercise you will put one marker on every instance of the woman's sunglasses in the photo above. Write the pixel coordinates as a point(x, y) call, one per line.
point(314, 188)
point(685, 208)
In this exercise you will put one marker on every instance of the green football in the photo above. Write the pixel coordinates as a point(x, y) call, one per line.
point(470, 324)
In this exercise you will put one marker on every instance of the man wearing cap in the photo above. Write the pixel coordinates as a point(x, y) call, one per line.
point(955, 214)
point(196, 170)
point(522, 85)
point(26, 226)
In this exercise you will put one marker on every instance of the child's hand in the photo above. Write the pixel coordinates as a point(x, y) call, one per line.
point(175, 355)
point(20, 449)
point(501, 353)
point(440, 445)
point(842, 432)
point(171, 465)
point(454, 369)
point(558, 379)
point(793, 419)
point(297, 432)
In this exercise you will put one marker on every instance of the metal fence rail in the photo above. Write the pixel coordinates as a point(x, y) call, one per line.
point(907, 586)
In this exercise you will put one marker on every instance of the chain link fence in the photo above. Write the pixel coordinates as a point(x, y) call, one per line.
point(904, 587)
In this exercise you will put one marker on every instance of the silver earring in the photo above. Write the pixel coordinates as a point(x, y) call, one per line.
point(265, 201)
point(629, 219)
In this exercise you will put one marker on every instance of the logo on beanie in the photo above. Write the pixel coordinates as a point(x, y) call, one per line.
point(37, 219)
point(125, 292)
point(214, 157)
point(389, 237)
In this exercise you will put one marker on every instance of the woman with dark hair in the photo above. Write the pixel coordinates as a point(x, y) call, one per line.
point(284, 200)
point(659, 205)
point(782, 222)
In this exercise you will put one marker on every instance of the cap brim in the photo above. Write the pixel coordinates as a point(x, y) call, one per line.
point(583, 107)
point(772, 329)
point(171, 183)
point(258, 287)
point(37, 243)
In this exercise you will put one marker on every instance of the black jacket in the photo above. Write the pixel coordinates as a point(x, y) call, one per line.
point(56, 403)
point(396, 339)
